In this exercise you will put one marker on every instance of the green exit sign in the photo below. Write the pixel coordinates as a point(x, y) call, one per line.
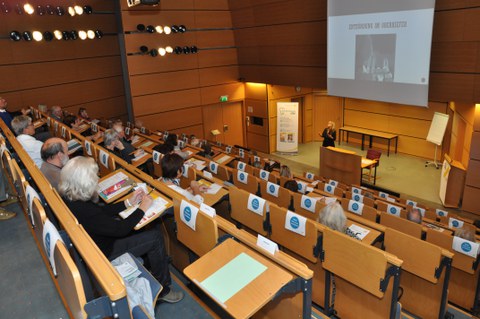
point(224, 98)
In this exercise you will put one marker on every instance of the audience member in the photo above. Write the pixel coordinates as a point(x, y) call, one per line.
point(5, 198)
point(465, 233)
point(23, 128)
point(172, 170)
point(414, 215)
point(112, 142)
point(333, 217)
point(54, 154)
point(257, 164)
point(172, 139)
point(115, 236)
point(82, 113)
point(285, 172)
point(6, 116)
point(206, 150)
point(73, 122)
point(291, 185)
point(163, 148)
point(56, 113)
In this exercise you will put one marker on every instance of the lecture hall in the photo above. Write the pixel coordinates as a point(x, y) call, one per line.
point(240, 159)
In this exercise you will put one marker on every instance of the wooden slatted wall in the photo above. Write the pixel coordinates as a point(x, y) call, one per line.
point(168, 92)
point(66, 73)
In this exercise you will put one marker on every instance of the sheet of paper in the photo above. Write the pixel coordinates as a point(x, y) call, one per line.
point(213, 189)
point(139, 157)
point(359, 232)
point(239, 272)
point(119, 183)
point(223, 159)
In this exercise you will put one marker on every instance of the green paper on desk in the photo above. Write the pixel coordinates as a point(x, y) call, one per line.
point(231, 278)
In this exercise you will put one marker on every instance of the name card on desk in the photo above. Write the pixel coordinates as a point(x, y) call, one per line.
point(272, 189)
point(309, 176)
point(411, 202)
point(302, 187)
point(267, 244)
point(242, 177)
point(31, 193)
point(295, 223)
point(207, 174)
point(356, 190)
point(329, 188)
point(213, 167)
point(256, 204)
point(264, 175)
point(465, 247)
point(188, 214)
point(357, 198)
point(455, 223)
point(210, 211)
point(355, 207)
point(308, 203)
point(441, 213)
point(241, 166)
point(393, 210)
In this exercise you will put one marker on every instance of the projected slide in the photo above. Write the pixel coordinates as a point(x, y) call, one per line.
point(379, 50)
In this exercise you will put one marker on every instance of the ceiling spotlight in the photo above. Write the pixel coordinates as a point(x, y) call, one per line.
point(47, 36)
point(66, 35)
point(178, 50)
point(50, 9)
point(37, 36)
point(186, 50)
point(98, 34)
point(169, 49)
point(144, 49)
point(60, 11)
point(5, 7)
point(182, 28)
point(15, 36)
point(159, 29)
point(28, 8)
point(57, 34)
point(150, 29)
point(73, 35)
point(162, 51)
point(167, 29)
point(27, 36)
point(153, 53)
point(193, 49)
point(82, 35)
point(87, 9)
point(141, 27)
point(71, 11)
point(78, 10)
point(90, 34)
point(41, 11)
point(174, 29)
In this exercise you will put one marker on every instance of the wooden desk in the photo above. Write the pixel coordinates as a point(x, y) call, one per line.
point(146, 145)
point(371, 134)
point(142, 160)
point(253, 296)
point(371, 237)
point(368, 163)
point(223, 159)
point(212, 199)
point(190, 150)
point(125, 187)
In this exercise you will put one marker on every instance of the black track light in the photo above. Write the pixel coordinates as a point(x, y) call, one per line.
point(186, 50)
point(73, 35)
point(153, 52)
point(141, 27)
point(27, 36)
point(182, 28)
point(66, 35)
point(150, 29)
point(98, 34)
point(87, 9)
point(50, 9)
point(60, 11)
point(15, 36)
point(193, 49)
point(48, 36)
point(174, 28)
point(144, 49)
point(178, 50)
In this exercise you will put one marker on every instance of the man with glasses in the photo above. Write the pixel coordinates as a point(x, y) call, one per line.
point(24, 129)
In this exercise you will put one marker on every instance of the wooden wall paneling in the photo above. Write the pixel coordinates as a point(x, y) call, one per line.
point(110, 108)
point(274, 12)
point(476, 88)
point(448, 25)
point(138, 64)
point(454, 57)
point(171, 120)
point(258, 142)
point(256, 108)
point(451, 87)
point(282, 92)
point(258, 129)
point(168, 101)
point(470, 202)
point(28, 76)
point(234, 122)
point(196, 130)
point(218, 75)
point(164, 82)
point(472, 24)
point(475, 146)
point(285, 75)
point(211, 4)
point(211, 94)
point(210, 58)
point(164, 5)
point(256, 91)
point(473, 177)
point(476, 121)
point(454, 4)
point(213, 19)
point(215, 38)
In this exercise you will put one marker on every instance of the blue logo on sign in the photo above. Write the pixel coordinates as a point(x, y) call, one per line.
point(272, 188)
point(242, 177)
point(455, 223)
point(392, 210)
point(241, 165)
point(329, 188)
point(441, 213)
point(155, 157)
point(356, 191)
point(383, 195)
point(212, 166)
point(355, 206)
point(410, 203)
point(264, 175)
point(308, 203)
point(356, 197)
point(299, 186)
point(47, 244)
point(466, 247)
point(104, 158)
point(28, 198)
point(187, 213)
point(294, 222)
point(255, 204)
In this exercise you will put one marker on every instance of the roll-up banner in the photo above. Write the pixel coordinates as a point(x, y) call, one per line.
point(287, 127)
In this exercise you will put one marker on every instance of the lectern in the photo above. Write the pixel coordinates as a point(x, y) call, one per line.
point(452, 182)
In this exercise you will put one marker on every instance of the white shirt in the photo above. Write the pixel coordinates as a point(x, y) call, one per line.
point(32, 146)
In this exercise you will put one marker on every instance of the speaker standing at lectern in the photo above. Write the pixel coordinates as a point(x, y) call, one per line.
point(329, 135)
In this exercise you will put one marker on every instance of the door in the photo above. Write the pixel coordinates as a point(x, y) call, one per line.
point(226, 119)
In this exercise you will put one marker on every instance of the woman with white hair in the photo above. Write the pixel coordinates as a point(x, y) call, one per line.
point(333, 217)
point(114, 236)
